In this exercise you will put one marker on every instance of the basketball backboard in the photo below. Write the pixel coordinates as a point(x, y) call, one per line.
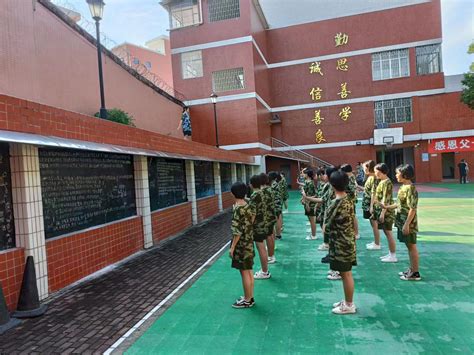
point(388, 136)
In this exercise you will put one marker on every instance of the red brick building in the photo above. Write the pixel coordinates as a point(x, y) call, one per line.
point(324, 81)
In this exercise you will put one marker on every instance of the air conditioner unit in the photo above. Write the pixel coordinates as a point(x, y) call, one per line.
point(275, 118)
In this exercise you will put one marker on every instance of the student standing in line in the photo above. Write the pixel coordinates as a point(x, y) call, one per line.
point(352, 192)
point(284, 192)
point(309, 190)
point(370, 186)
point(274, 184)
point(327, 197)
point(385, 217)
point(241, 249)
point(270, 221)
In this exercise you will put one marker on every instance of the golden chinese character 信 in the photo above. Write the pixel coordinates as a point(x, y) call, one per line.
point(316, 93)
point(345, 113)
point(344, 92)
point(315, 67)
point(342, 64)
point(317, 120)
point(319, 137)
point(341, 39)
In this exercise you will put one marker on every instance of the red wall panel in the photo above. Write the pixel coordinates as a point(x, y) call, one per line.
point(207, 207)
point(12, 264)
point(170, 221)
point(227, 200)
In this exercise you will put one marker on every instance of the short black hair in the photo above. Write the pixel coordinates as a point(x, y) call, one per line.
point(382, 167)
point(339, 180)
point(407, 171)
point(274, 176)
point(310, 173)
point(330, 169)
point(347, 168)
point(264, 180)
point(370, 164)
point(256, 181)
point(320, 172)
point(239, 189)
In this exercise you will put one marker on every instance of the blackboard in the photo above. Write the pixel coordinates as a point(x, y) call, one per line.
point(239, 172)
point(204, 178)
point(82, 189)
point(226, 177)
point(7, 225)
point(167, 179)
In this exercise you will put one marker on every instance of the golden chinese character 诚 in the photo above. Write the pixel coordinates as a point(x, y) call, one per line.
point(317, 120)
point(315, 67)
point(316, 93)
point(344, 92)
point(345, 113)
point(319, 137)
point(341, 39)
point(342, 64)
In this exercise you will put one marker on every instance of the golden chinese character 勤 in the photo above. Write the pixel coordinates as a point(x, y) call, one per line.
point(344, 92)
point(342, 64)
point(319, 137)
point(315, 67)
point(345, 113)
point(341, 39)
point(317, 120)
point(316, 93)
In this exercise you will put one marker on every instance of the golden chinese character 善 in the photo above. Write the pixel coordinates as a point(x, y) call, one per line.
point(315, 67)
point(316, 93)
point(319, 137)
point(344, 92)
point(345, 113)
point(317, 120)
point(342, 64)
point(341, 39)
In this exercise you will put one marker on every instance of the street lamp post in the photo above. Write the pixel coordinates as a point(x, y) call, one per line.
point(214, 102)
point(97, 9)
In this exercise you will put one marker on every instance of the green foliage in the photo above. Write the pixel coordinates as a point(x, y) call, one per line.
point(119, 116)
point(467, 95)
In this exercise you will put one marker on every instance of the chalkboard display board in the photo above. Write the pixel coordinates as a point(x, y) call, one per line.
point(204, 178)
point(167, 178)
point(226, 176)
point(7, 225)
point(82, 189)
point(239, 172)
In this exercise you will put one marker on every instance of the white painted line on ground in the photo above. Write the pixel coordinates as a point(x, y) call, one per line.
point(157, 307)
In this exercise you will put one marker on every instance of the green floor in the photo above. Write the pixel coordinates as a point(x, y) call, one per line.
point(293, 309)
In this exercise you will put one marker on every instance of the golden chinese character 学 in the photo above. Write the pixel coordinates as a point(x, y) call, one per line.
point(342, 64)
point(319, 136)
point(317, 120)
point(315, 67)
point(316, 93)
point(344, 92)
point(341, 39)
point(345, 113)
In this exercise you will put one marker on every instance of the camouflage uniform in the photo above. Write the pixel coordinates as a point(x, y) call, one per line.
point(407, 199)
point(323, 189)
point(270, 209)
point(340, 229)
point(284, 189)
point(242, 226)
point(328, 196)
point(351, 189)
point(277, 196)
point(383, 193)
point(258, 209)
point(370, 186)
point(310, 190)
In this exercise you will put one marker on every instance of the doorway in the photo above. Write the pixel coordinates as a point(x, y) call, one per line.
point(395, 157)
point(286, 169)
point(447, 160)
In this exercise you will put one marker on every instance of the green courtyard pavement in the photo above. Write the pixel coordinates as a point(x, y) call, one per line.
point(293, 309)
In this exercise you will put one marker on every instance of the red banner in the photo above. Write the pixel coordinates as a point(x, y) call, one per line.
point(447, 145)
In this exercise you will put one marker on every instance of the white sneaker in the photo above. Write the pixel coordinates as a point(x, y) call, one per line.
point(384, 257)
point(260, 275)
point(373, 246)
point(271, 259)
point(389, 259)
point(334, 276)
point(406, 272)
point(308, 224)
point(343, 308)
point(310, 237)
point(338, 304)
point(308, 230)
point(357, 236)
point(323, 246)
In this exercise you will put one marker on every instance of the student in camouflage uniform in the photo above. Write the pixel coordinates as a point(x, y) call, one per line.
point(241, 249)
point(385, 217)
point(369, 189)
point(309, 191)
point(274, 184)
point(339, 226)
point(327, 197)
point(284, 190)
point(260, 228)
point(406, 219)
point(270, 221)
point(352, 192)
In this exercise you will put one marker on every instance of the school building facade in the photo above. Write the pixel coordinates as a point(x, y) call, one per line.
point(346, 83)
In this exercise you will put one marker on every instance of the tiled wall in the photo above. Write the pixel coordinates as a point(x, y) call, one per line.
point(170, 221)
point(227, 200)
point(207, 207)
point(12, 263)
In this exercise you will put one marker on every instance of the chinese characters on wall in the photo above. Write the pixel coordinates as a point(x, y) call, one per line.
point(447, 145)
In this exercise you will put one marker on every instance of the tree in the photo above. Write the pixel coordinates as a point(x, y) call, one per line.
point(119, 116)
point(467, 95)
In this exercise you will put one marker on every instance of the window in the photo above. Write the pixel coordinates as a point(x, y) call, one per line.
point(136, 61)
point(238, 170)
point(184, 13)
point(229, 79)
point(148, 65)
point(226, 176)
point(191, 64)
point(390, 64)
point(393, 111)
point(428, 59)
point(204, 178)
point(223, 10)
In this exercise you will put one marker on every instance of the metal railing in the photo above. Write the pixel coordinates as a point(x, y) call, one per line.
point(297, 154)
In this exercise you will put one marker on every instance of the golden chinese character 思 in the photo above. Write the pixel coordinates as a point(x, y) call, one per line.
point(345, 113)
point(315, 67)
point(317, 120)
point(342, 64)
point(344, 92)
point(316, 93)
point(319, 136)
point(341, 39)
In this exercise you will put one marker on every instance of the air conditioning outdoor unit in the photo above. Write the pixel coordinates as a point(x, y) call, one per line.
point(275, 118)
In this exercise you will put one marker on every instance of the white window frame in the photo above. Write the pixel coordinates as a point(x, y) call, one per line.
point(397, 109)
point(186, 72)
point(377, 59)
point(439, 57)
point(173, 20)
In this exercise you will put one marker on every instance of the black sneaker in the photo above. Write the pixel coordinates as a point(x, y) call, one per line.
point(412, 276)
point(243, 303)
point(325, 260)
point(278, 237)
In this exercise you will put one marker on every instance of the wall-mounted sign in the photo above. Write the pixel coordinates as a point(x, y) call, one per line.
point(449, 145)
point(425, 157)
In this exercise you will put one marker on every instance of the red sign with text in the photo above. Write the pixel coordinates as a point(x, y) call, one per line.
point(447, 145)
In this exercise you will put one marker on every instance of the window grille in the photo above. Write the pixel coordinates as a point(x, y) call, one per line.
point(223, 10)
point(184, 13)
point(393, 111)
point(390, 64)
point(191, 65)
point(428, 59)
point(228, 79)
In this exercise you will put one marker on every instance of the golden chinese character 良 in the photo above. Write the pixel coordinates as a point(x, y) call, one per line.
point(342, 64)
point(341, 39)
point(345, 113)
point(316, 93)
point(319, 137)
point(315, 67)
point(317, 120)
point(344, 92)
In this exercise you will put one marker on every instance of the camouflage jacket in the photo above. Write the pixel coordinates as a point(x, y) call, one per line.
point(277, 197)
point(328, 196)
point(284, 189)
point(310, 191)
point(368, 191)
point(407, 198)
point(351, 189)
point(383, 193)
point(242, 226)
point(270, 208)
point(340, 228)
point(258, 209)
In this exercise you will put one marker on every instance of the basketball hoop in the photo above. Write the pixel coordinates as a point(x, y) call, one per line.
point(388, 140)
point(388, 145)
